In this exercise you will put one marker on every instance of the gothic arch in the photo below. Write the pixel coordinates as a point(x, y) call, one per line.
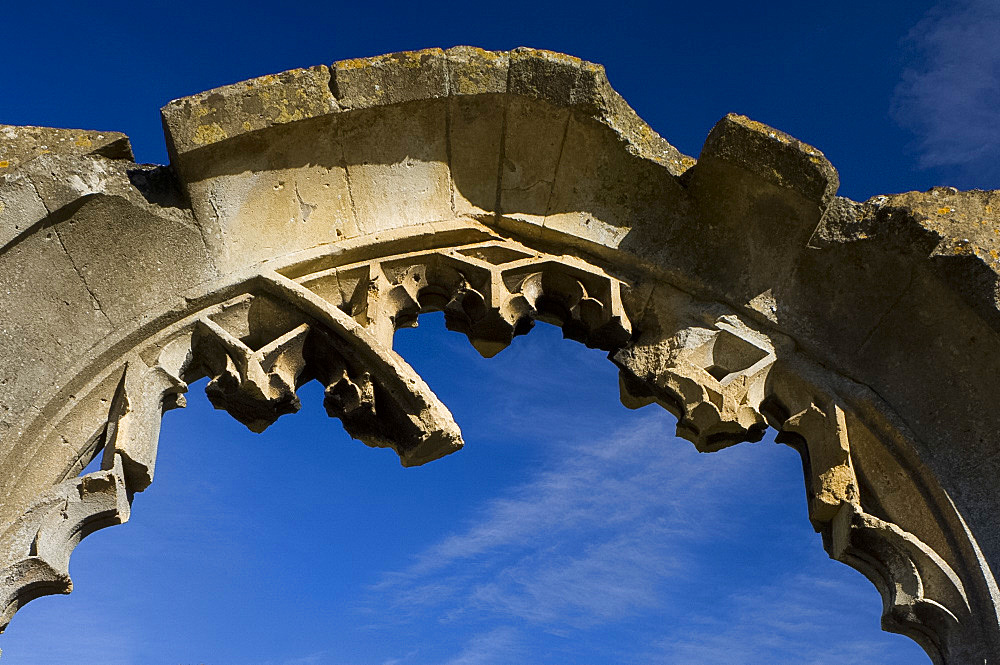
point(306, 216)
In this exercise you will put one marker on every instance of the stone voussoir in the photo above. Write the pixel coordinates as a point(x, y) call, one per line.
point(213, 116)
point(771, 155)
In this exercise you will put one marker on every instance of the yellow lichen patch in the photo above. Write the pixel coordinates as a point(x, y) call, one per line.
point(353, 63)
point(206, 134)
point(4, 164)
point(758, 127)
point(837, 484)
point(408, 59)
point(83, 141)
point(286, 115)
point(495, 56)
point(247, 126)
point(945, 210)
point(815, 155)
point(647, 133)
point(552, 55)
point(805, 147)
point(413, 59)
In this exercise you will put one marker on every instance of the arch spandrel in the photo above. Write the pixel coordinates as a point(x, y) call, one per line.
point(306, 216)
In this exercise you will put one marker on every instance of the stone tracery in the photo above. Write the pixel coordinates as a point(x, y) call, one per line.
point(458, 226)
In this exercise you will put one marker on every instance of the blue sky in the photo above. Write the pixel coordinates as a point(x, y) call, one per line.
point(569, 529)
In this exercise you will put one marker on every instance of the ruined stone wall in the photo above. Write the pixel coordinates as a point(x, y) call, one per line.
point(305, 216)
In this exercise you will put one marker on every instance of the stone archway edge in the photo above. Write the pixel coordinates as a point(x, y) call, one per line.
point(307, 215)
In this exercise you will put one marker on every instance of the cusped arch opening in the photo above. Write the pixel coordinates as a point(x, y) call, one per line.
point(627, 494)
point(332, 316)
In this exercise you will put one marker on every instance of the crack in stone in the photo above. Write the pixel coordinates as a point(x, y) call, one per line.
point(497, 210)
point(347, 180)
point(447, 130)
point(39, 195)
point(526, 188)
point(332, 83)
point(305, 209)
point(559, 159)
point(83, 279)
point(885, 314)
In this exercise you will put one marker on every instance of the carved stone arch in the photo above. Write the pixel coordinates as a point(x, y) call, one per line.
point(306, 216)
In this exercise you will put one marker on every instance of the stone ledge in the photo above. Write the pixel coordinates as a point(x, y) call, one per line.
point(21, 144)
point(771, 155)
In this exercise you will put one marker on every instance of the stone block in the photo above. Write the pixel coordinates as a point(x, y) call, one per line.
point(533, 142)
point(601, 193)
point(772, 156)
point(559, 79)
point(21, 144)
point(216, 115)
point(390, 79)
point(397, 164)
point(155, 257)
point(474, 71)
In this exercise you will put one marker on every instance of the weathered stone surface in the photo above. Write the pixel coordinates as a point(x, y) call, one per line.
point(308, 215)
point(477, 108)
point(773, 156)
point(21, 207)
point(474, 71)
point(956, 230)
point(216, 115)
point(284, 205)
point(535, 132)
point(397, 163)
point(20, 144)
point(391, 79)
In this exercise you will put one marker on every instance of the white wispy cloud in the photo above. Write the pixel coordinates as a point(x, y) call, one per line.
point(498, 646)
point(591, 538)
point(778, 622)
point(608, 538)
point(950, 96)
